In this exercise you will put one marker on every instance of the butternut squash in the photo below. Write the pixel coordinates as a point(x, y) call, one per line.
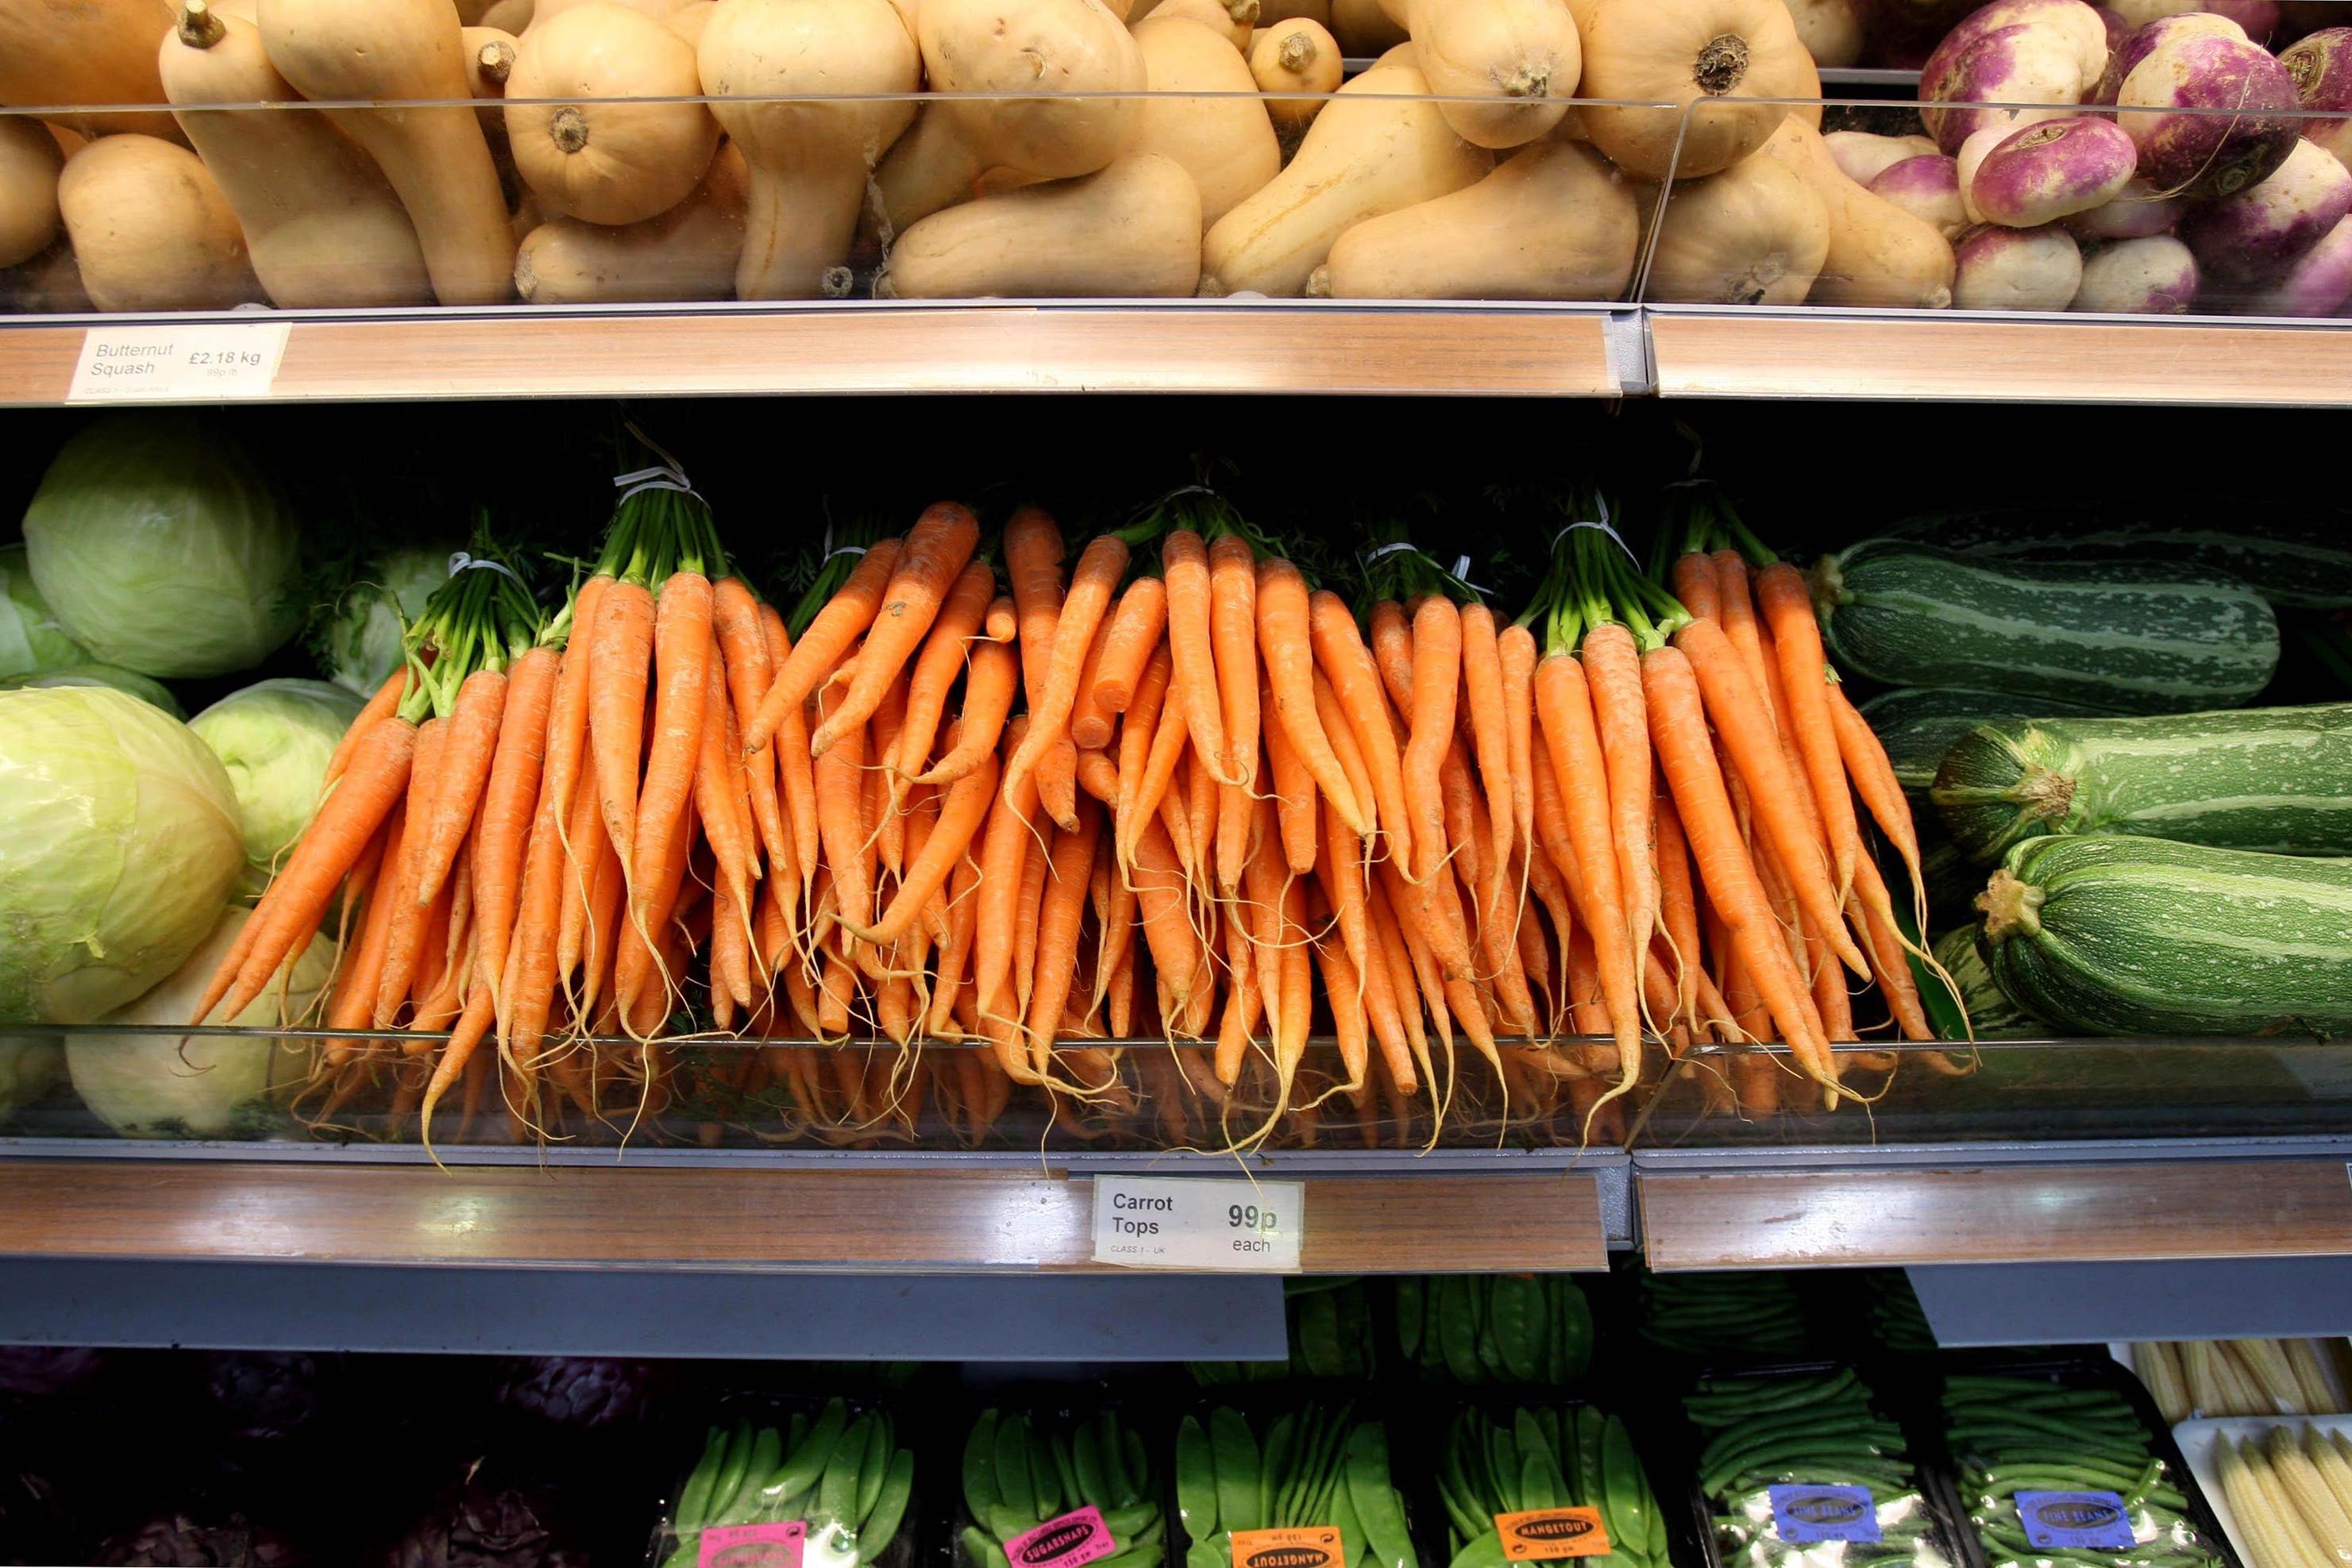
point(513, 18)
point(1830, 30)
point(1233, 20)
point(86, 51)
point(490, 62)
point(1272, 12)
point(29, 161)
point(321, 221)
point(436, 158)
point(1363, 156)
point(608, 162)
point(546, 11)
point(1226, 144)
point(1753, 234)
point(1879, 255)
point(688, 20)
point(1130, 230)
point(151, 229)
point(688, 252)
point(1552, 222)
point(810, 159)
point(1298, 55)
point(1364, 28)
point(1681, 52)
point(1524, 55)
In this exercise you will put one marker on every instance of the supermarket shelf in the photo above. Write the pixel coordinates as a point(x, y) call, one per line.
point(1183, 346)
point(2083, 1304)
point(1977, 357)
point(778, 1214)
point(2020, 1203)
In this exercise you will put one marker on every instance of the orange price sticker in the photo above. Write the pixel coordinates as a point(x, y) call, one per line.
point(1304, 1546)
point(1541, 1534)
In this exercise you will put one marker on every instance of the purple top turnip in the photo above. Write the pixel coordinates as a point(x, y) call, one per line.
point(2145, 41)
point(2257, 235)
point(1929, 189)
point(2321, 65)
point(2044, 173)
point(2318, 284)
point(2217, 125)
point(2016, 269)
point(2023, 64)
point(2136, 213)
point(2151, 277)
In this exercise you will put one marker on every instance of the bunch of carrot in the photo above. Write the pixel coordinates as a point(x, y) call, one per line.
point(1094, 803)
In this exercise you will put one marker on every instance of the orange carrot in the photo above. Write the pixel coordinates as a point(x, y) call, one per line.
point(406, 945)
point(1129, 641)
point(1283, 629)
point(1057, 783)
point(1736, 613)
point(716, 801)
point(743, 656)
point(353, 1005)
point(1184, 563)
point(682, 668)
point(959, 624)
point(841, 821)
point(1579, 776)
point(1490, 729)
point(1515, 652)
point(959, 820)
point(1032, 565)
point(1677, 902)
point(1695, 585)
point(1874, 779)
point(1294, 792)
point(792, 770)
point(888, 826)
point(1176, 951)
point(1059, 918)
point(1887, 952)
point(929, 561)
point(620, 648)
point(1341, 653)
point(1099, 776)
point(1035, 862)
point(643, 979)
point(584, 851)
point(469, 744)
point(379, 707)
point(1232, 635)
point(1436, 678)
point(1004, 844)
point(955, 953)
point(1404, 986)
point(988, 691)
point(1053, 692)
point(1135, 735)
point(1804, 669)
point(527, 989)
point(1612, 674)
point(1392, 643)
point(844, 618)
point(510, 805)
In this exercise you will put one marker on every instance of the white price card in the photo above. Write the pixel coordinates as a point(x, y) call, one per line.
point(1185, 1222)
point(193, 362)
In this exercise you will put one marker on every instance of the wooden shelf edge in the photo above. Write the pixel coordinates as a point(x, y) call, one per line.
point(923, 1221)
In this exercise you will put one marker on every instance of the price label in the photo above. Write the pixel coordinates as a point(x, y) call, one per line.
point(1552, 1535)
point(1308, 1546)
point(1809, 1515)
point(2074, 1521)
point(1178, 1222)
point(752, 1545)
point(1072, 1540)
point(196, 361)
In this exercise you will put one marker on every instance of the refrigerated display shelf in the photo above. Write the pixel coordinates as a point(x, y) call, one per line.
point(1285, 347)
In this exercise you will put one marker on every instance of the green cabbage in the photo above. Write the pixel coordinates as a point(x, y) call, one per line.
point(119, 847)
point(158, 1086)
point(275, 738)
point(121, 679)
point(362, 644)
point(162, 547)
point(30, 637)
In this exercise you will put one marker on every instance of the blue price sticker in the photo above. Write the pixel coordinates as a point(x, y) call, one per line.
point(2074, 1521)
point(1807, 1515)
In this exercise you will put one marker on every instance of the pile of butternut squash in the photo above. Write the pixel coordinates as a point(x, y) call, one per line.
point(585, 152)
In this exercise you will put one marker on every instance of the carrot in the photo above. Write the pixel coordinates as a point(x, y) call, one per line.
point(353, 1003)
point(1115, 923)
point(795, 778)
point(717, 801)
point(887, 826)
point(945, 650)
point(1579, 788)
point(509, 807)
point(1130, 640)
point(1874, 779)
point(683, 653)
point(1741, 719)
point(527, 989)
point(1797, 641)
point(1677, 902)
point(1004, 844)
point(1612, 674)
point(600, 944)
point(1459, 791)
point(1695, 585)
point(1053, 691)
point(1391, 645)
point(1097, 775)
point(584, 849)
point(1516, 651)
point(1036, 861)
point(469, 743)
point(620, 648)
point(408, 919)
point(1436, 678)
point(1003, 622)
point(1176, 951)
point(1057, 783)
point(803, 665)
point(1678, 731)
point(1184, 564)
point(1059, 918)
point(988, 691)
point(955, 954)
point(638, 947)
point(1887, 950)
point(1396, 957)
point(959, 820)
point(1346, 663)
point(1293, 792)
point(928, 562)
point(1350, 1021)
point(1203, 802)
point(1736, 613)
point(1139, 729)
point(1284, 618)
point(1490, 729)
point(379, 707)
point(1089, 718)
point(841, 821)
point(1232, 635)
point(743, 656)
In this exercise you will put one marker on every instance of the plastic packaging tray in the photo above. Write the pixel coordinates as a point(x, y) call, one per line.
point(2195, 1439)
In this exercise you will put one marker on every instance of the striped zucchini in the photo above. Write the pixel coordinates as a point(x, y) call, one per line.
point(2278, 780)
point(2118, 935)
point(1992, 1015)
point(2132, 638)
point(1917, 725)
point(2290, 557)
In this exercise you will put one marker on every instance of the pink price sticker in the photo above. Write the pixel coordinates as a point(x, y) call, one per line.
point(1074, 1539)
point(752, 1545)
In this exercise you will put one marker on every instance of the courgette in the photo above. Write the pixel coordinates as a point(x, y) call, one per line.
point(2132, 637)
point(1992, 1015)
point(2112, 934)
point(1918, 724)
point(2291, 557)
point(2277, 779)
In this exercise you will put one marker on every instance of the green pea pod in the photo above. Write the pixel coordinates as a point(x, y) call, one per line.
point(1503, 1462)
point(1484, 1550)
point(1014, 1486)
point(1318, 1335)
point(1408, 1296)
point(795, 1429)
point(731, 1470)
point(889, 1510)
point(1138, 1459)
point(812, 1454)
point(1065, 1468)
point(871, 1470)
point(1340, 1514)
point(1213, 1553)
point(1356, 1331)
point(1145, 1555)
point(1490, 1346)
point(1628, 1504)
point(1375, 1500)
point(1590, 1470)
point(767, 1453)
point(983, 1551)
point(1119, 1489)
point(1236, 1471)
point(1126, 1523)
point(1528, 1433)
point(1004, 1521)
point(1539, 1482)
point(1272, 1468)
point(836, 1493)
point(1457, 1328)
point(694, 1497)
point(1196, 1480)
point(1049, 1481)
point(1575, 1314)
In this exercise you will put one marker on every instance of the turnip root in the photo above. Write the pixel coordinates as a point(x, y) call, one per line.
point(2136, 212)
point(2017, 270)
point(2256, 235)
point(2151, 277)
point(1864, 157)
point(2321, 65)
point(2021, 65)
point(2144, 41)
point(2259, 18)
point(2318, 284)
point(1929, 189)
point(2212, 123)
point(1973, 152)
point(2044, 173)
point(2077, 22)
